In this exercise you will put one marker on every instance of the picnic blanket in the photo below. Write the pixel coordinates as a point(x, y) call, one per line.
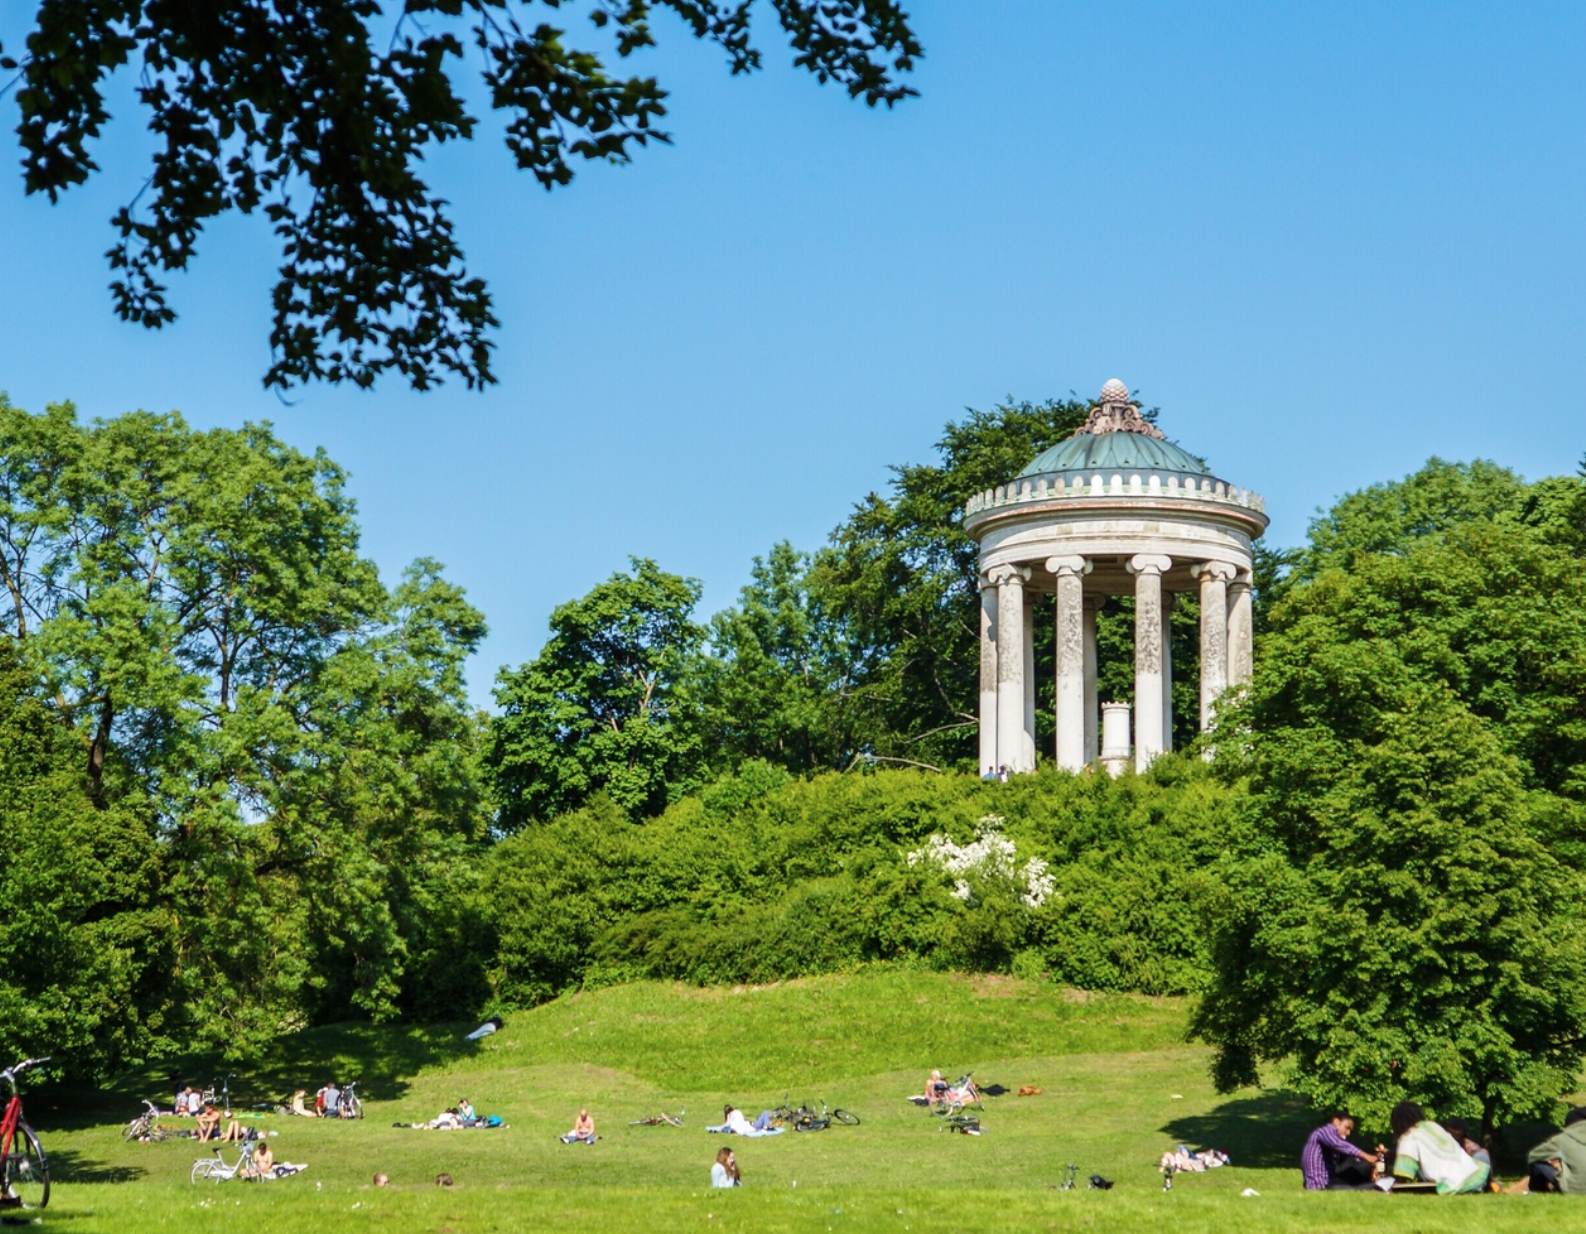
point(724, 1129)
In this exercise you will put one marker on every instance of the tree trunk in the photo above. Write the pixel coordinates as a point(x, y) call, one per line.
point(96, 753)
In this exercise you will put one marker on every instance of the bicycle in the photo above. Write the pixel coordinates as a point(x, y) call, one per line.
point(24, 1170)
point(663, 1119)
point(146, 1125)
point(217, 1169)
point(351, 1104)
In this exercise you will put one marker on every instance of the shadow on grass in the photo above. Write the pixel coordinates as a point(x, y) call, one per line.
point(68, 1166)
point(1263, 1132)
point(381, 1058)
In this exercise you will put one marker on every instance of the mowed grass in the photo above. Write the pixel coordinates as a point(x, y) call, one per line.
point(1119, 1084)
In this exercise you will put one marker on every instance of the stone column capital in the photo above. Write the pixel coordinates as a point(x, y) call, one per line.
point(1062, 566)
point(1001, 576)
point(1214, 571)
point(1149, 563)
point(1240, 585)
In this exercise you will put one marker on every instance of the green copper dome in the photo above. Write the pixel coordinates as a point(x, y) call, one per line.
point(1116, 437)
point(1115, 452)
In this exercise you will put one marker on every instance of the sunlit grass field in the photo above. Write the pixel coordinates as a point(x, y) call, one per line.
point(1119, 1087)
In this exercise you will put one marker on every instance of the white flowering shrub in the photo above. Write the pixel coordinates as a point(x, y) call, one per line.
point(990, 855)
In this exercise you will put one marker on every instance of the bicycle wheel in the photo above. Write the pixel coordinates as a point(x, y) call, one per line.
point(137, 1128)
point(351, 1107)
point(812, 1124)
point(27, 1176)
point(847, 1118)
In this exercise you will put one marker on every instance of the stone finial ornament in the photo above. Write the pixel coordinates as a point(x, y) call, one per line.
point(1114, 413)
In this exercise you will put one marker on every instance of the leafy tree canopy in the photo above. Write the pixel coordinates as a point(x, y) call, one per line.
point(605, 705)
point(1401, 914)
point(319, 113)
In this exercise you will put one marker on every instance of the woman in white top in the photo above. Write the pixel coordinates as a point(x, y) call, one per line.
point(1426, 1150)
point(725, 1173)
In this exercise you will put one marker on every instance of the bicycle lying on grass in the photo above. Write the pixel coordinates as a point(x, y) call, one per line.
point(805, 1118)
point(24, 1172)
point(663, 1119)
point(146, 1126)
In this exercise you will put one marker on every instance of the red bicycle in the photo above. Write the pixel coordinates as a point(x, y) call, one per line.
point(24, 1173)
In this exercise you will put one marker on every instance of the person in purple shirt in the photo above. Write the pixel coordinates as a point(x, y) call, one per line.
point(1330, 1161)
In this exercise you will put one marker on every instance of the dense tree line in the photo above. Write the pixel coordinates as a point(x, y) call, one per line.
point(244, 790)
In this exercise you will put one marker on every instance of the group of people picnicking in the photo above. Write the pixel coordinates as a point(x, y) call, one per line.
point(1441, 1155)
point(329, 1102)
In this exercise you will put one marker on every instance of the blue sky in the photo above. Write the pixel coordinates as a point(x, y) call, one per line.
point(1328, 241)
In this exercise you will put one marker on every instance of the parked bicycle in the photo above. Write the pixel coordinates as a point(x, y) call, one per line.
point(217, 1169)
point(662, 1119)
point(351, 1104)
point(24, 1171)
point(219, 1092)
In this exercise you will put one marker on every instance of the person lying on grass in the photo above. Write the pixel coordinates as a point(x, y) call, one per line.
point(1426, 1150)
point(725, 1172)
point(583, 1131)
point(735, 1121)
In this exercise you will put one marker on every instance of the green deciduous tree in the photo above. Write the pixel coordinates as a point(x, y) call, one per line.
point(605, 706)
point(899, 574)
point(774, 683)
point(192, 610)
point(1402, 911)
point(1395, 924)
point(319, 114)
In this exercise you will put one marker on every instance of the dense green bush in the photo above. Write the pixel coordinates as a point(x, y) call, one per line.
point(762, 877)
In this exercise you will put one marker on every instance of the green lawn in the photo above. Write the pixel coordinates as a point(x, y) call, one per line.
point(1120, 1086)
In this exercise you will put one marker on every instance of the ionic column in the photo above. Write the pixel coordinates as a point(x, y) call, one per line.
point(1028, 727)
point(1070, 704)
point(1148, 569)
point(1214, 577)
point(1092, 611)
point(1010, 582)
point(988, 676)
point(1169, 600)
point(1241, 650)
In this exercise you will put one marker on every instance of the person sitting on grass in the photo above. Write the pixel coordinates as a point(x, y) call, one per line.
point(332, 1100)
point(725, 1172)
point(208, 1123)
point(1425, 1150)
point(263, 1164)
point(233, 1134)
point(1460, 1130)
point(298, 1106)
point(466, 1111)
point(583, 1131)
point(1558, 1163)
point(1330, 1162)
point(936, 1088)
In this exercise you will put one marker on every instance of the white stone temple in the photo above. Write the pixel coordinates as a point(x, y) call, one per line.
point(1114, 510)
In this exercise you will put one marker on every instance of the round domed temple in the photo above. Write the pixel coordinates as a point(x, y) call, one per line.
point(1116, 509)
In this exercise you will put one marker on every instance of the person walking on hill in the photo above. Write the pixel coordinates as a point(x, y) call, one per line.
point(1330, 1162)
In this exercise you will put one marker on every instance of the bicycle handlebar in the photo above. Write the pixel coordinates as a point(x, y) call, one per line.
point(10, 1073)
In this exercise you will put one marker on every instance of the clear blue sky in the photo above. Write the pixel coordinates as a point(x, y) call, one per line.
point(1327, 240)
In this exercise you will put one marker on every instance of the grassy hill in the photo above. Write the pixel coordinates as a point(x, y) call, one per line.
point(1119, 1087)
